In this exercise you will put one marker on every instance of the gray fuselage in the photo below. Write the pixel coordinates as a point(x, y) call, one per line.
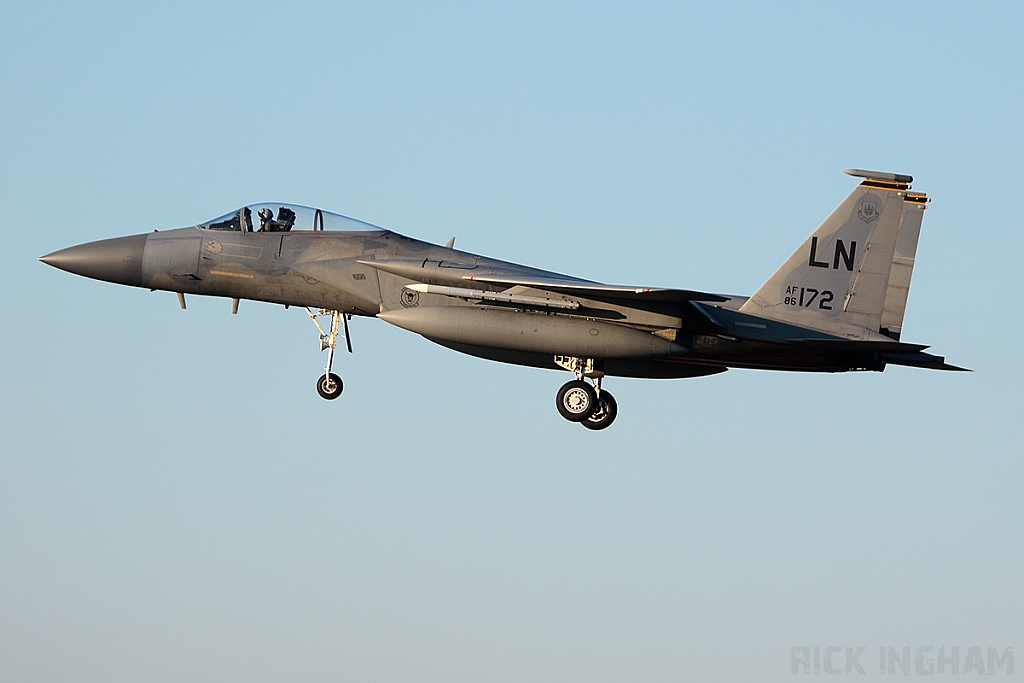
point(367, 273)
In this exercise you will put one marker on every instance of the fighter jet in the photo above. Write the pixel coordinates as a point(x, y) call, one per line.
point(836, 305)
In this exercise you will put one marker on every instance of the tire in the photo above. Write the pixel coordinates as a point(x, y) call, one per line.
point(329, 392)
point(576, 401)
point(603, 417)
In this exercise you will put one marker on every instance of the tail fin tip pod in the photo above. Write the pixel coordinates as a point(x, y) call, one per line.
point(879, 175)
point(838, 280)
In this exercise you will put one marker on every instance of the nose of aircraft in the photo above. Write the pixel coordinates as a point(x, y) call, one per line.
point(115, 260)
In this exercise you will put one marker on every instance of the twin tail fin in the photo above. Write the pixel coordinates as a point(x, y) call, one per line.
point(851, 277)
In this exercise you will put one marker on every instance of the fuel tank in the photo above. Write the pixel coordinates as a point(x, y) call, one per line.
point(535, 332)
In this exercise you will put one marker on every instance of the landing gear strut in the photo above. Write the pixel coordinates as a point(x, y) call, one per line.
point(585, 403)
point(330, 386)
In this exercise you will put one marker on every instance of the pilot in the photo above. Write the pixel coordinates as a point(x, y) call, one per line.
point(266, 220)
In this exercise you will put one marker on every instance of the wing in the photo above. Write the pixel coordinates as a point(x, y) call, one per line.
point(451, 273)
point(596, 290)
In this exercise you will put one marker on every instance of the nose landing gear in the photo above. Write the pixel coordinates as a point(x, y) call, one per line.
point(585, 403)
point(330, 386)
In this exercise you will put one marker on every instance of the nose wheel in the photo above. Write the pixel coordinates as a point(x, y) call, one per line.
point(330, 386)
point(578, 401)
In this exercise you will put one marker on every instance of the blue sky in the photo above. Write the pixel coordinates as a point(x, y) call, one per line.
point(176, 502)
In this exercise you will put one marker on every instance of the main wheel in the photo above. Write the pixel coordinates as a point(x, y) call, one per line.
point(329, 386)
point(576, 400)
point(603, 417)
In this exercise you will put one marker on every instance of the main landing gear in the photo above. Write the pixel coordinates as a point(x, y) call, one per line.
point(578, 401)
point(330, 386)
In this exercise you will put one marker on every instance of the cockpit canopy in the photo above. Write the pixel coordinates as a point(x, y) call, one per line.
point(277, 217)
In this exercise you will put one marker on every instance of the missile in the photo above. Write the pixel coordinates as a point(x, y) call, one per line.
point(482, 295)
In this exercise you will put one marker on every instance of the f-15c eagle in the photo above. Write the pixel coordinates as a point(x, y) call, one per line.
point(835, 305)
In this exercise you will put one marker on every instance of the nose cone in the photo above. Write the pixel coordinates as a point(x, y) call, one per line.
point(117, 260)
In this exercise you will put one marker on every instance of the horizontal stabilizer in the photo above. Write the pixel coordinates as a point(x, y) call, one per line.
point(923, 360)
point(947, 366)
point(596, 290)
point(859, 346)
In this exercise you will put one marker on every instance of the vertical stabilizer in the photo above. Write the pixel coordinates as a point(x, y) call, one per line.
point(837, 281)
point(903, 265)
